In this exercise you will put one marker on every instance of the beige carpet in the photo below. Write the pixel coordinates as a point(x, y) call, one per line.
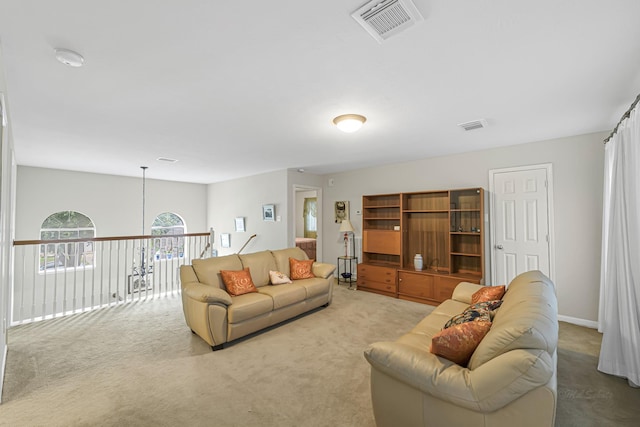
point(140, 365)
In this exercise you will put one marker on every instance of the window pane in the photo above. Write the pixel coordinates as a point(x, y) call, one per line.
point(62, 226)
point(168, 224)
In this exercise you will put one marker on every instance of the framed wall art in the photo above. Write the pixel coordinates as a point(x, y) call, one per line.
point(268, 212)
point(225, 240)
point(341, 210)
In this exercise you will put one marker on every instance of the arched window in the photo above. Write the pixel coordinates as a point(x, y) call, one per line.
point(168, 224)
point(67, 225)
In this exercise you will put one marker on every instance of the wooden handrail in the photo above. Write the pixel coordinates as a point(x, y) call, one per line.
point(104, 239)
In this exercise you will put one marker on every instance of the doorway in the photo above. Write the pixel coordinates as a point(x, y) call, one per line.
point(521, 221)
point(308, 220)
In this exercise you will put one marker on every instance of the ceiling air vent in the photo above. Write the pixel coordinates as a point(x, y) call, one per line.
point(383, 19)
point(474, 124)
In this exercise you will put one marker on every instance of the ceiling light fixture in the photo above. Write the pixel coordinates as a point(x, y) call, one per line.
point(349, 122)
point(69, 57)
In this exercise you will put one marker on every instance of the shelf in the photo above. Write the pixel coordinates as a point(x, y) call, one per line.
point(380, 263)
point(464, 254)
point(381, 201)
point(375, 218)
point(425, 211)
point(473, 277)
point(426, 201)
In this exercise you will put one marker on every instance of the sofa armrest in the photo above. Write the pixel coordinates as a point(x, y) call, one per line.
point(321, 269)
point(486, 389)
point(464, 291)
point(206, 293)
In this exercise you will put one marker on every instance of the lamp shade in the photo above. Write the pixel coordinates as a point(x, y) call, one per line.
point(349, 122)
point(346, 226)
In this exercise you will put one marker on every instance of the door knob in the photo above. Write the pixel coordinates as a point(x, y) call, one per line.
point(499, 246)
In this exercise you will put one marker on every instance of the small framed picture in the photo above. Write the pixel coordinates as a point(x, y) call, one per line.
point(240, 224)
point(268, 212)
point(342, 210)
point(225, 240)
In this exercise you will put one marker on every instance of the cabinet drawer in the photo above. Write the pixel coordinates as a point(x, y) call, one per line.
point(416, 285)
point(377, 277)
point(377, 273)
point(380, 286)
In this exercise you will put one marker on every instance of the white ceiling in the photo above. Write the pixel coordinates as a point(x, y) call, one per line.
point(235, 88)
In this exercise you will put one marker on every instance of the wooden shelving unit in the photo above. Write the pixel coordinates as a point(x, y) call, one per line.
point(381, 244)
point(445, 227)
point(381, 230)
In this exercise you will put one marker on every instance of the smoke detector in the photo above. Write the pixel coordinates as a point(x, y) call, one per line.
point(385, 18)
point(474, 124)
point(69, 57)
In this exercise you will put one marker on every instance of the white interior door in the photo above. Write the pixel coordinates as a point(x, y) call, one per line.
point(521, 222)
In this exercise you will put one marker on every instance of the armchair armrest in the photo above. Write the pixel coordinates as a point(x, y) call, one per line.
point(321, 269)
point(205, 293)
point(485, 389)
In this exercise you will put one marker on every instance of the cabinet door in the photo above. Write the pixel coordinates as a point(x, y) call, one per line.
point(445, 287)
point(415, 285)
point(381, 241)
point(380, 286)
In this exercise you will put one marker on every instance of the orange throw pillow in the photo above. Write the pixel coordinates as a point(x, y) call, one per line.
point(238, 282)
point(488, 293)
point(301, 269)
point(458, 342)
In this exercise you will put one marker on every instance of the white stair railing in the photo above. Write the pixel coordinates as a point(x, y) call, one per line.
point(55, 278)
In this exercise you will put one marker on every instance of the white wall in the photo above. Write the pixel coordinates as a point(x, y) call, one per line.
point(245, 197)
point(114, 203)
point(7, 181)
point(578, 182)
point(295, 182)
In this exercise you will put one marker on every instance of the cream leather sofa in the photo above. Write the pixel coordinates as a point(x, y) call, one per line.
point(510, 379)
point(218, 317)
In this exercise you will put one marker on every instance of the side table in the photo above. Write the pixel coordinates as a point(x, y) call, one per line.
point(345, 270)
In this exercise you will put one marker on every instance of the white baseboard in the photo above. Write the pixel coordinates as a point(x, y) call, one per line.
point(580, 322)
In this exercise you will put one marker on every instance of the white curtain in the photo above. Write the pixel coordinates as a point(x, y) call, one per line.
point(619, 311)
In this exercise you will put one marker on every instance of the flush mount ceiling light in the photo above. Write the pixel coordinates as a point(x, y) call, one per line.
point(69, 57)
point(349, 122)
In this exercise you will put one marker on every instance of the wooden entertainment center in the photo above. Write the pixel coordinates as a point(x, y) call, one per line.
point(445, 227)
